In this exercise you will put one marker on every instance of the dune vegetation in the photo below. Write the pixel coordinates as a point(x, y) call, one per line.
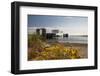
point(40, 49)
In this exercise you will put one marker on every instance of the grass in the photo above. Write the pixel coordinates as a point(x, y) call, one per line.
point(38, 50)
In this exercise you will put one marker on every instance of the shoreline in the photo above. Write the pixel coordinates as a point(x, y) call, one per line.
point(83, 47)
point(76, 44)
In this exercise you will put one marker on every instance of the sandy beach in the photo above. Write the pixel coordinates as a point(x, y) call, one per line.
point(56, 50)
point(83, 53)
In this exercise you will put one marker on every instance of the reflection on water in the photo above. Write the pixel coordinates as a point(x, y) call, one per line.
point(70, 39)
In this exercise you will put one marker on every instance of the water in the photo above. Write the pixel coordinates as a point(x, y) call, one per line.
point(71, 39)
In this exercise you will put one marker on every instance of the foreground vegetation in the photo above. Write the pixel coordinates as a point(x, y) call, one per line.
point(40, 49)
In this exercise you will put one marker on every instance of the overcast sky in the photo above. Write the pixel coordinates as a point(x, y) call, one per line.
point(74, 25)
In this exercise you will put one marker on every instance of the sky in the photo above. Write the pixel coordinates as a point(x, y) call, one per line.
point(73, 25)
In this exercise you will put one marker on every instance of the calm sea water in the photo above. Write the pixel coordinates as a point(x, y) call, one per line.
point(71, 39)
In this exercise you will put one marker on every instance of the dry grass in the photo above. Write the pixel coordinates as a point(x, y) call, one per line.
point(39, 51)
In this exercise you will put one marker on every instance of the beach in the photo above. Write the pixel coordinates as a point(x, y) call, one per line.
point(83, 53)
point(52, 49)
